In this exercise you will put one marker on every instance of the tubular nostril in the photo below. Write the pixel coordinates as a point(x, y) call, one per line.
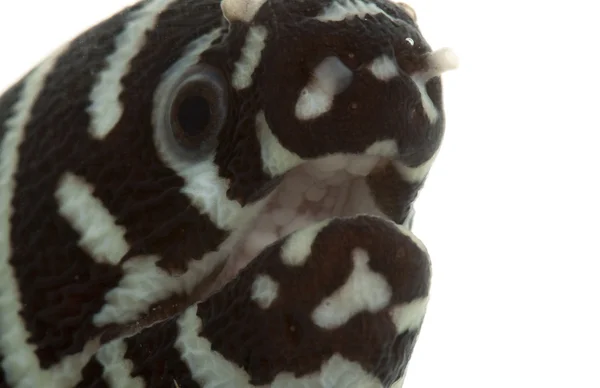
point(441, 61)
point(434, 64)
point(429, 65)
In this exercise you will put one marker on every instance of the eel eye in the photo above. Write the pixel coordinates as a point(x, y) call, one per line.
point(198, 108)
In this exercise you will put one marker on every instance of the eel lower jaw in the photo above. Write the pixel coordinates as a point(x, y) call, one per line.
point(335, 186)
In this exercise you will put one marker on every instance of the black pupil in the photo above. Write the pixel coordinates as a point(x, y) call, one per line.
point(193, 115)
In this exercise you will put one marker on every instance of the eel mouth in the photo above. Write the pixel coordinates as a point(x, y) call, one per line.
point(325, 188)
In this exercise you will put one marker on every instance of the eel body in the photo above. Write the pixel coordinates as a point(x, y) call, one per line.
point(203, 193)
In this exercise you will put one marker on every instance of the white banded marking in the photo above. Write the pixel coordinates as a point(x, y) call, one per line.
point(67, 373)
point(384, 68)
point(250, 57)
point(21, 366)
point(389, 149)
point(298, 246)
point(264, 291)
point(364, 290)
point(438, 62)
point(417, 173)
point(335, 372)
point(409, 316)
point(276, 159)
point(100, 236)
point(383, 148)
point(329, 78)
point(210, 369)
point(106, 108)
point(144, 284)
point(347, 9)
point(207, 367)
point(241, 10)
point(117, 368)
point(428, 106)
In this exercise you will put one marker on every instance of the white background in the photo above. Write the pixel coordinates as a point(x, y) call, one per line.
point(510, 212)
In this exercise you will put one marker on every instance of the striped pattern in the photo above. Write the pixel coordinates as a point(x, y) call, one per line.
point(107, 235)
point(118, 369)
point(18, 355)
point(106, 109)
point(329, 78)
point(100, 236)
point(384, 68)
point(250, 58)
point(201, 346)
point(88, 175)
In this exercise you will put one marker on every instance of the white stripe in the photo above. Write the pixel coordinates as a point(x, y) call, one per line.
point(20, 361)
point(298, 246)
point(384, 68)
point(264, 291)
point(250, 57)
point(409, 316)
point(335, 372)
point(389, 149)
point(364, 290)
point(417, 173)
point(347, 9)
point(117, 369)
point(383, 148)
point(100, 236)
point(428, 106)
point(144, 284)
point(329, 78)
point(67, 373)
point(106, 108)
point(207, 367)
point(211, 370)
point(276, 159)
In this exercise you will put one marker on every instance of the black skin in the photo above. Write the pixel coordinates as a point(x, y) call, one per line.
point(61, 287)
point(360, 116)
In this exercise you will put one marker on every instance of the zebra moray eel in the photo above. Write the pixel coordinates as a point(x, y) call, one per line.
point(203, 193)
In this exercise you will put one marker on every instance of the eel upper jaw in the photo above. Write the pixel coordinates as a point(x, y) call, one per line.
point(334, 186)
